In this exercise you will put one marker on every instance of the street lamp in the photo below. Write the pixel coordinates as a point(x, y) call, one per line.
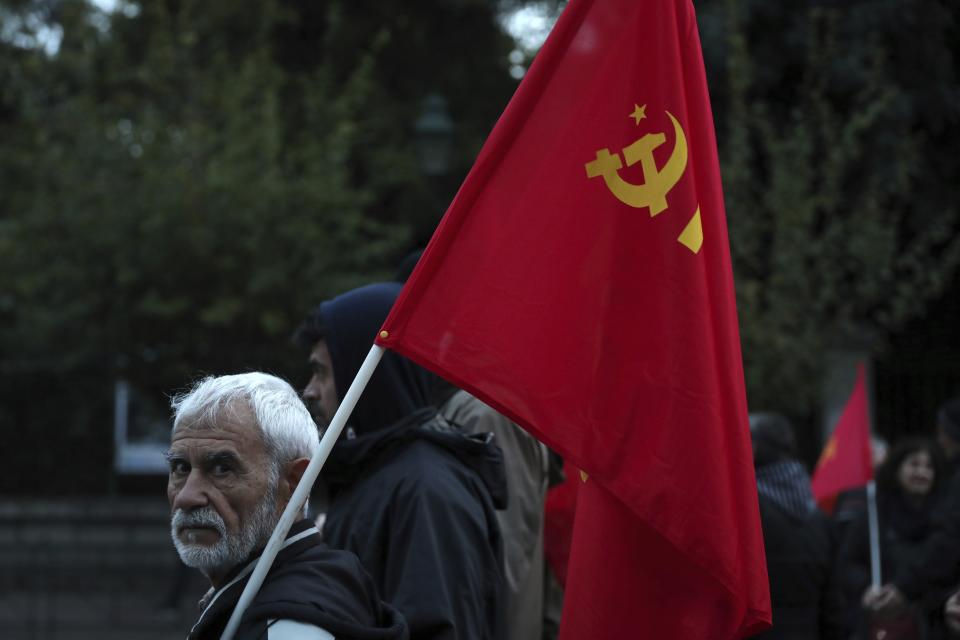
point(434, 135)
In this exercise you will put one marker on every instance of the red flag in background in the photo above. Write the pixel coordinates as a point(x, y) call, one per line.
point(580, 283)
point(846, 461)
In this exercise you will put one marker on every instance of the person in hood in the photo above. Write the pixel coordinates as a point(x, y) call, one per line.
point(411, 495)
point(798, 539)
point(239, 447)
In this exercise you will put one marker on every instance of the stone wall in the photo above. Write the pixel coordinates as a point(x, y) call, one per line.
point(92, 568)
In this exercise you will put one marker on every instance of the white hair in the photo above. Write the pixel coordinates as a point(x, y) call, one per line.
point(287, 429)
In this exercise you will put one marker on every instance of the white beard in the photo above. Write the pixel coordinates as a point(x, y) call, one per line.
point(228, 551)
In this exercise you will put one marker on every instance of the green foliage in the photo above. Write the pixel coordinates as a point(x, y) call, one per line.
point(182, 182)
point(842, 225)
point(184, 204)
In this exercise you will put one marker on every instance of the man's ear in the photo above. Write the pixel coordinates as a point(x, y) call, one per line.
point(292, 473)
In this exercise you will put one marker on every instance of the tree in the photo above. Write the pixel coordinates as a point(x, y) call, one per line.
point(182, 182)
point(837, 139)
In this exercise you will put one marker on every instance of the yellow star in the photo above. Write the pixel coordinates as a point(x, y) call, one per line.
point(639, 113)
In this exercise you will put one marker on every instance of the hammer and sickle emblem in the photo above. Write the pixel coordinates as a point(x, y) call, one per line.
point(659, 182)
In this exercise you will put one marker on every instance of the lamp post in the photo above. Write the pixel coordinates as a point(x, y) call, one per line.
point(434, 136)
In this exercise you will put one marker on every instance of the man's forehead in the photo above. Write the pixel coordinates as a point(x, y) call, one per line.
point(233, 426)
point(320, 350)
point(221, 438)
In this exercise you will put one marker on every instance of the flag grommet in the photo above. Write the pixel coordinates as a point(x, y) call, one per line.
point(384, 335)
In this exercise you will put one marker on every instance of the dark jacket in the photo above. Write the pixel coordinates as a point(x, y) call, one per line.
point(937, 566)
point(413, 497)
point(307, 583)
point(800, 549)
point(904, 528)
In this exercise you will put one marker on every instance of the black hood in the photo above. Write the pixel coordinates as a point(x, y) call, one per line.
point(352, 459)
point(398, 388)
point(396, 408)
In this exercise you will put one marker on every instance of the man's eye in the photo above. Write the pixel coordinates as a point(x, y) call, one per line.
point(221, 469)
point(179, 467)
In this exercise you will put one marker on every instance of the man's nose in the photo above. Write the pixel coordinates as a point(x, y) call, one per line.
point(311, 392)
point(193, 493)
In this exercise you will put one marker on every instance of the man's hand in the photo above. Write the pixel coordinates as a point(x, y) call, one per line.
point(886, 600)
point(951, 613)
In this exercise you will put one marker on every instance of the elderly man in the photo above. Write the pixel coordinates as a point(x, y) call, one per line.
point(239, 447)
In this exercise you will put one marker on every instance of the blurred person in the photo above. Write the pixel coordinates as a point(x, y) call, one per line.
point(410, 494)
point(798, 538)
point(239, 447)
point(879, 450)
point(951, 616)
point(937, 567)
point(526, 461)
point(907, 488)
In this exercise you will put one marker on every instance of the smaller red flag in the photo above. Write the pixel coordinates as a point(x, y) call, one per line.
point(846, 461)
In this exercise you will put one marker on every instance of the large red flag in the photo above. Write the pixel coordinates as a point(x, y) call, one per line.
point(580, 283)
point(846, 461)
point(559, 510)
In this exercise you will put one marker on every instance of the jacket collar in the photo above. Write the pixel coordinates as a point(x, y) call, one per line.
point(219, 603)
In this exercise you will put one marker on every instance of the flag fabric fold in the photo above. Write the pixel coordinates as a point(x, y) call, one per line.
point(559, 510)
point(580, 283)
point(846, 461)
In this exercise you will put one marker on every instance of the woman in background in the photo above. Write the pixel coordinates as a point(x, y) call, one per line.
point(907, 486)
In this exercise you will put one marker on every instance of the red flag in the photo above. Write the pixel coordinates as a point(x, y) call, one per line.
point(580, 283)
point(846, 461)
point(559, 510)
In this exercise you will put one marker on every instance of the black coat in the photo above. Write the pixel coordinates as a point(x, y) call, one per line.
point(307, 583)
point(804, 592)
point(415, 504)
point(937, 567)
point(904, 528)
point(413, 497)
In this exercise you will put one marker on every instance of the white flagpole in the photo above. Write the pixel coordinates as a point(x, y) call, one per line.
point(293, 509)
point(874, 534)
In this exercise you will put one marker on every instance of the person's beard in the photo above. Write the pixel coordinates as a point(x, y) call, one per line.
point(318, 414)
point(229, 550)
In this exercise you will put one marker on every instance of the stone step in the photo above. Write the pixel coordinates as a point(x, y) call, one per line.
point(76, 616)
point(88, 568)
point(92, 509)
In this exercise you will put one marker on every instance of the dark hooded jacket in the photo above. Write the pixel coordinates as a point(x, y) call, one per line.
point(413, 497)
point(903, 528)
point(800, 548)
point(307, 583)
point(936, 570)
